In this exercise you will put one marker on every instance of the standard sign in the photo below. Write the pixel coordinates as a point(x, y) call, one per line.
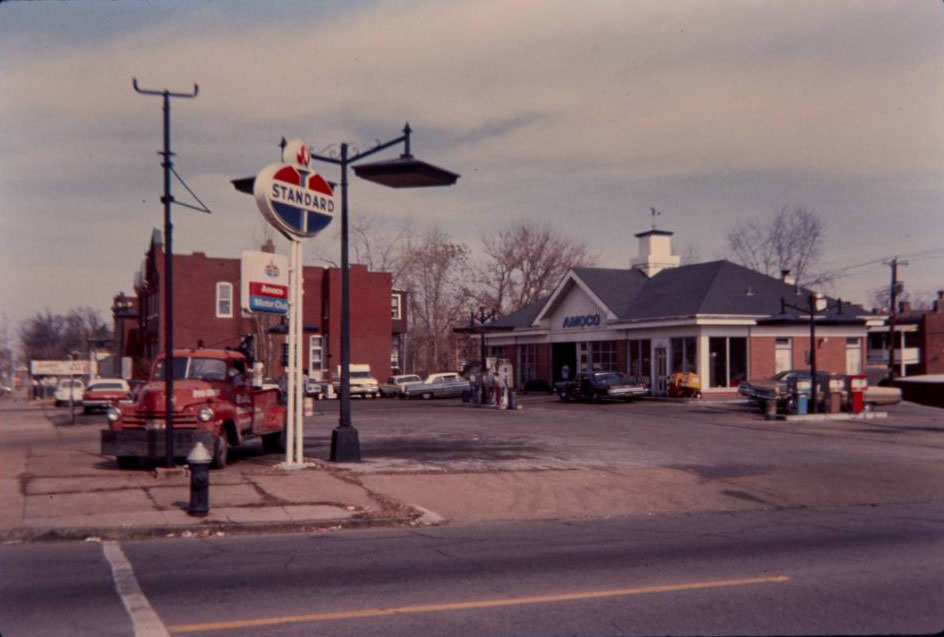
point(582, 320)
point(293, 198)
point(264, 280)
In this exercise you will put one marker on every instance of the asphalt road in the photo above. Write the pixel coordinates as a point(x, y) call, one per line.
point(840, 571)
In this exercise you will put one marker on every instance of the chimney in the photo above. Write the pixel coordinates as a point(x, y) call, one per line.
point(655, 252)
point(786, 278)
point(904, 307)
point(939, 303)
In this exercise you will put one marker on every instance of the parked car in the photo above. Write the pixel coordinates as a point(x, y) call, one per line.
point(104, 393)
point(783, 388)
point(396, 384)
point(440, 385)
point(69, 389)
point(361, 382)
point(598, 386)
point(877, 396)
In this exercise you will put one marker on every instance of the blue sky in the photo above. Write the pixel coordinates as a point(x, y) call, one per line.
point(583, 114)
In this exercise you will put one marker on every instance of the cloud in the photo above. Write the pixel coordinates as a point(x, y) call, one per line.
point(567, 111)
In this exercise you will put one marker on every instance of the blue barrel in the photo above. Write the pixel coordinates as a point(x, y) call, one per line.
point(802, 402)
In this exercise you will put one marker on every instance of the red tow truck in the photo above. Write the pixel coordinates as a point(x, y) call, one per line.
point(214, 403)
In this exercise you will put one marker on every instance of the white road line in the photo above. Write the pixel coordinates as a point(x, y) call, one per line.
point(145, 621)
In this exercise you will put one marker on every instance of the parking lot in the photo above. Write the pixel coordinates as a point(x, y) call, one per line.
point(399, 435)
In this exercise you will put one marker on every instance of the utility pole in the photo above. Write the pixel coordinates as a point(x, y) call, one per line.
point(167, 199)
point(892, 304)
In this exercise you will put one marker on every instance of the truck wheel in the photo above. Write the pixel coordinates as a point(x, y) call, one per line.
point(127, 462)
point(564, 397)
point(220, 453)
point(274, 442)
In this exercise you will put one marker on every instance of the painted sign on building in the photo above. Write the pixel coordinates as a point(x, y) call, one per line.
point(60, 368)
point(292, 197)
point(264, 282)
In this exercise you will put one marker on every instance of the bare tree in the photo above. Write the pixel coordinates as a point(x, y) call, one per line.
point(56, 336)
point(432, 273)
point(522, 263)
point(792, 239)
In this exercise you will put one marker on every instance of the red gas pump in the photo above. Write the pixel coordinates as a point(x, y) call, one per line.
point(857, 385)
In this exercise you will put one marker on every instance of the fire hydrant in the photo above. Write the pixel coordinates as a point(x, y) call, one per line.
point(199, 461)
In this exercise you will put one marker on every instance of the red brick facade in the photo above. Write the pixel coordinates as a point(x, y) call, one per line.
point(197, 320)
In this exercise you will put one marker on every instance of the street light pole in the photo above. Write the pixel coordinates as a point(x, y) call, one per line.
point(167, 199)
point(404, 172)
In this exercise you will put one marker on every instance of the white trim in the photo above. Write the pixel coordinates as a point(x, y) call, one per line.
point(219, 286)
point(559, 290)
point(144, 621)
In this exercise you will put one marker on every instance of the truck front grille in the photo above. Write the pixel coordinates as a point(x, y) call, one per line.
point(142, 418)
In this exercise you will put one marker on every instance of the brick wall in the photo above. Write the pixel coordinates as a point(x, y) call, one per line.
point(763, 357)
point(932, 351)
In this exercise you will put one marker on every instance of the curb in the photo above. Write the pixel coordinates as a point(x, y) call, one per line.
point(205, 529)
point(865, 415)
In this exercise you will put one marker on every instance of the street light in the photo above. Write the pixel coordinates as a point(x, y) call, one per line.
point(403, 172)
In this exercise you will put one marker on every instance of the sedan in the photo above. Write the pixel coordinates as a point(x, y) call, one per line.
point(598, 386)
point(396, 385)
point(442, 385)
point(104, 393)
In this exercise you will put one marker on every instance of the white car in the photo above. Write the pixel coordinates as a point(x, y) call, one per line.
point(69, 389)
point(361, 382)
point(396, 385)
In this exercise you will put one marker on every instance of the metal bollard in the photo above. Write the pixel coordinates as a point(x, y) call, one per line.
point(199, 461)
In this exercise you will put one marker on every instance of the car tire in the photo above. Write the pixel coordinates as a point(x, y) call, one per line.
point(426, 395)
point(220, 453)
point(564, 397)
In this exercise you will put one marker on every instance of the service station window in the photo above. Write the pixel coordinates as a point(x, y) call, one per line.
point(728, 365)
point(224, 300)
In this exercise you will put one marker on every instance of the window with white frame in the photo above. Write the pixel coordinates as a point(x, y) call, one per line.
point(783, 355)
point(395, 307)
point(224, 300)
point(728, 361)
point(315, 355)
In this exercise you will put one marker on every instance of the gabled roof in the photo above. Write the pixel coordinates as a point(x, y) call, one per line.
point(520, 318)
point(713, 288)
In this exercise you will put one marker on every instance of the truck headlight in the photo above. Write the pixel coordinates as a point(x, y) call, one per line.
point(113, 415)
point(205, 415)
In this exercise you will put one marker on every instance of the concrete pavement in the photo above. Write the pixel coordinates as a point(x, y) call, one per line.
point(56, 486)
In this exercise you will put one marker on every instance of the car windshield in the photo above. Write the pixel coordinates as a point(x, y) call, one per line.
point(66, 384)
point(612, 378)
point(106, 387)
point(360, 374)
point(185, 367)
point(408, 379)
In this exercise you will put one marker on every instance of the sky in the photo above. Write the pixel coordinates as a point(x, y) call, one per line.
point(580, 114)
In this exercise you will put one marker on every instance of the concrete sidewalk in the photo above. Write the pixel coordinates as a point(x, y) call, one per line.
point(55, 485)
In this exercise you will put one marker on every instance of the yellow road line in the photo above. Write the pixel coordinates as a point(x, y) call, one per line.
point(473, 605)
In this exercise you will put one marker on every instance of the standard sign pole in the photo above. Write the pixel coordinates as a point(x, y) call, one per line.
point(299, 344)
point(299, 203)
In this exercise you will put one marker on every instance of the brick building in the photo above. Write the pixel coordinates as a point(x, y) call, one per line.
point(207, 312)
point(718, 319)
point(919, 341)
